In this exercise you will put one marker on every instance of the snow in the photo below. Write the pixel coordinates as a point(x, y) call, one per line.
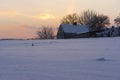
point(78, 29)
point(72, 59)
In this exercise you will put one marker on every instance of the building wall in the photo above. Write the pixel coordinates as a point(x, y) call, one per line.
point(71, 35)
point(68, 35)
point(60, 33)
point(84, 35)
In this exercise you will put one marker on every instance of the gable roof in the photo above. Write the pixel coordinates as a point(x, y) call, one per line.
point(77, 29)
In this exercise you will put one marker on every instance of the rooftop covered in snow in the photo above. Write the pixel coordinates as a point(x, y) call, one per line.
point(77, 29)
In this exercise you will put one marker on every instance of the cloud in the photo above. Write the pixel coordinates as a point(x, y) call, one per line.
point(17, 31)
point(28, 26)
point(10, 13)
point(44, 16)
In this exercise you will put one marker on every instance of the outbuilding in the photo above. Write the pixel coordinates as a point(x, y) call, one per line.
point(67, 31)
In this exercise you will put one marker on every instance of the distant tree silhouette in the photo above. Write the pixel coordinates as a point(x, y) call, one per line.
point(93, 19)
point(117, 20)
point(87, 17)
point(45, 32)
point(70, 19)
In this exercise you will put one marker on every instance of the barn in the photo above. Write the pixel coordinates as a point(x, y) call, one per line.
point(67, 31)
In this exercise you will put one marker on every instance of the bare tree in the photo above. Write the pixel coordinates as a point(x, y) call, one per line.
point(117, 20)
point(99, 22)
point(45, 32)
point(93, 19)
point(69, 19)
point(87, 17)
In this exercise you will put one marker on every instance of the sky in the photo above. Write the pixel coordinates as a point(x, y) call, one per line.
point(22, 18)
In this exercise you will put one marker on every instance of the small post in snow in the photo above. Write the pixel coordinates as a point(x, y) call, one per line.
point(32, 44)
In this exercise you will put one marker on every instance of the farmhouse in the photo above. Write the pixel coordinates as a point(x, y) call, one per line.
point(67, 31)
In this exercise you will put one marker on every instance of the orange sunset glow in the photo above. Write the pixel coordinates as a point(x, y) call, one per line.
point(22, 18)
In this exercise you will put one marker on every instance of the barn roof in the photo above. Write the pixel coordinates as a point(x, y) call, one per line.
point(77, 29)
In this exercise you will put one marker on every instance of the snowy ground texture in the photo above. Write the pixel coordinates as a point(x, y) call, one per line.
point(74, 59)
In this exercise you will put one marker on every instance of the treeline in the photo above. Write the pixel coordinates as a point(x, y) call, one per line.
point(93, 19)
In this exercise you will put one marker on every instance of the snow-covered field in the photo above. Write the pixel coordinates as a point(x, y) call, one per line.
point(74, 59)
